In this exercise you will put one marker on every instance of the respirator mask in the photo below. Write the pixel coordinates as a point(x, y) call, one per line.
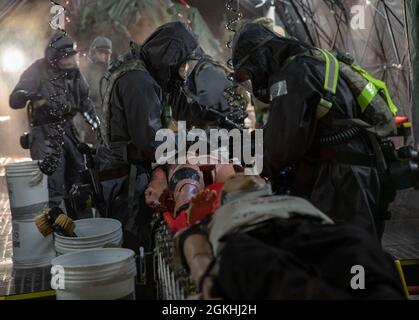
point(69, 63)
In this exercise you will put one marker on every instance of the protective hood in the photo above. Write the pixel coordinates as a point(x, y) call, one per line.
point(59, 46)
point(100, 43)
point(166, 49)
point(258, 51)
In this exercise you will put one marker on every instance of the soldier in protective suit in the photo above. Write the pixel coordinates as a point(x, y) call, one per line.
point(133, 104)
point(94, 67)
point(203, 93)
point(342, 179)
point(198, 96)
point(98, 63)
point(54, 91)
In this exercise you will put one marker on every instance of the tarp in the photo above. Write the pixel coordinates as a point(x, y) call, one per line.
point(124, 14)
point(8, 6)
point(381, 47)
point(412, 7)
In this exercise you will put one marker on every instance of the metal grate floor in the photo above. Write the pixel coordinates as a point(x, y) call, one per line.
point(401, 237)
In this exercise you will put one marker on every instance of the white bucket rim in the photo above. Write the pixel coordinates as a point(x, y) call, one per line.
point(129, 252)
point(26, 221)
point(38, 262)
point(22, 174)
point(22, 163)
point(91, 240)
point(19, 166)
point(129, 269)
point(109, 244)
point(60, 250)
point(105, 244)
point(122, 266)
point(95, 238)
point(75, 244)
point(96, 235)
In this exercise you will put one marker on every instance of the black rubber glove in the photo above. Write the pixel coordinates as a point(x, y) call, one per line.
point(19, 98)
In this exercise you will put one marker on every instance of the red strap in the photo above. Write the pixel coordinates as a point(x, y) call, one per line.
point(177, 224)
point(181, 222)
point(400, 120)
point(413, 290)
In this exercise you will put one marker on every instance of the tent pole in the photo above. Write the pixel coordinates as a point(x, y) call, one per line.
point(412, 9)
point(390, 29)
point(303, 23)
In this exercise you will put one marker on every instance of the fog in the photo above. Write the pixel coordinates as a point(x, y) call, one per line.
point(25, 32)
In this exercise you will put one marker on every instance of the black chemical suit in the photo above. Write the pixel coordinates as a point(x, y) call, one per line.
point(135, 111)
point(64, 91)
point(204, 86)
point(341, 187)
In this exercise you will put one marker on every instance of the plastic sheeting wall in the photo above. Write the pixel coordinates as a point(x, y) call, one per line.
point(7, 7)
point(381, 46)
point(413, 31)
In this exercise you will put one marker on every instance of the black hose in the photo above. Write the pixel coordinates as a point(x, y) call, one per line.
point(339, 138)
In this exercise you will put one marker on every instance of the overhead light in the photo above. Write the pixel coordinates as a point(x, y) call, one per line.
point(12, 60)
point(4, 118)
point(271, 14)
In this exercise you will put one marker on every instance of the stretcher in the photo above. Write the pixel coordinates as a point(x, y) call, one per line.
point(173, 282)
point(409, 276)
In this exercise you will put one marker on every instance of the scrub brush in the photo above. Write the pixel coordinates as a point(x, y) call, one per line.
point(55, 220)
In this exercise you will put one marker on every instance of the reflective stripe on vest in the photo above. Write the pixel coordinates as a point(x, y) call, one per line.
point(366, 96)
point(323, 108)
point(364, 99)
point(330, 82)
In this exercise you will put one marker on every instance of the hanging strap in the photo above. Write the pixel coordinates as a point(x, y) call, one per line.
point(371, 90)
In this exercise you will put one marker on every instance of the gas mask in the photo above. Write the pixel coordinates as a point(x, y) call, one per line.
point(247, 82)
point(69, 63)
point(254, 67)
point(179, 75)
point(102, 57)
point(186, 69)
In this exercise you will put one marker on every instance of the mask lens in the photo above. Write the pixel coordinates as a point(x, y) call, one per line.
point(102, 56)
point(69, 63)
point(187, 68)
point(183, 71)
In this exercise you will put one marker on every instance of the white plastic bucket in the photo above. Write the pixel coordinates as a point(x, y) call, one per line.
point(95, 274)
point(28, 196)
point(91, 233)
